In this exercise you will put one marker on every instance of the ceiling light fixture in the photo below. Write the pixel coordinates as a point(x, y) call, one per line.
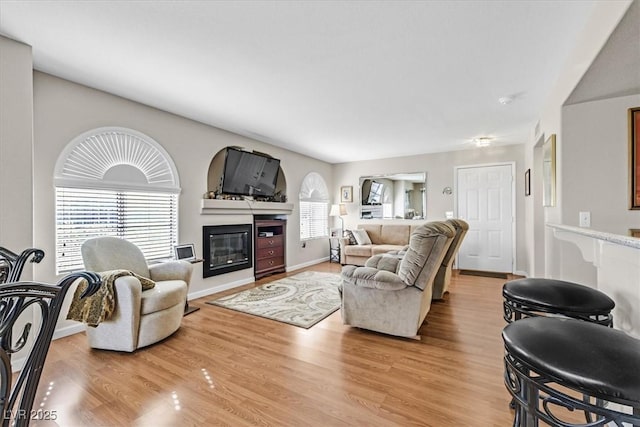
point(483, 141)
point(505, 100)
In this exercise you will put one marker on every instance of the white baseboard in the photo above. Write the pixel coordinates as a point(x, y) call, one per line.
point(238, 283)
point(306, 264)
point(521, 273)
point(68, 330)
point(219, 288)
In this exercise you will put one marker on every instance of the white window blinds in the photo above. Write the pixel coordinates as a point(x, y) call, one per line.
point(314, 220)
point(147, 219)
point(117, 182)
point(314, 207)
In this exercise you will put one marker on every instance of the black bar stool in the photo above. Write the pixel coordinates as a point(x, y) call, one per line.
point(546, 358)
point(541, 297)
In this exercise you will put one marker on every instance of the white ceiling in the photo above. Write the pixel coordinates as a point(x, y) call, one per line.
point(338, 81)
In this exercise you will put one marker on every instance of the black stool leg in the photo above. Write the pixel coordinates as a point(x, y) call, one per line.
point(531, 397)
point(587, 415)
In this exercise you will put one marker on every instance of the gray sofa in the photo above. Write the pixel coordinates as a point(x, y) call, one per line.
point(384, 238)
point(443, 277)
point(392, 293)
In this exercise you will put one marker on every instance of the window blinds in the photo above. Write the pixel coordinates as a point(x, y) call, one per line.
point(147, 219)
point(314, 220)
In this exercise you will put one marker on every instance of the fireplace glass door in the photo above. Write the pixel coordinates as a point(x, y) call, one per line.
point(226, 248)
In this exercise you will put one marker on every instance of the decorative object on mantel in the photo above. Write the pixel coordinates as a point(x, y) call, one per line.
point(346, 194)
point(301, 300)
point(278, 197)
point(634, 157)
point(527, 182)
point(549, 171)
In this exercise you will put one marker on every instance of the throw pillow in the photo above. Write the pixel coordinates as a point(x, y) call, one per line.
point(349, 235)
point(361, 237)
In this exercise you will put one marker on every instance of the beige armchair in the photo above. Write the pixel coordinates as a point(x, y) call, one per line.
point(140, 318)
point(443, 277)
point(392, 292)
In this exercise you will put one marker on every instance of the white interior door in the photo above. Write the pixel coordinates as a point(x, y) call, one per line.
point(485, 201)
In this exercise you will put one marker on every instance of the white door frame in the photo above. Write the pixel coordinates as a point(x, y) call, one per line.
point(513, 201)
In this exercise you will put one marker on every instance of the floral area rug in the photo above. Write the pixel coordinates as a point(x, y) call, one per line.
point(301, 300)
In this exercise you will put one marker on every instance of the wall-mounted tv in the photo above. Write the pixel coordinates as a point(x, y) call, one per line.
point(249, 174)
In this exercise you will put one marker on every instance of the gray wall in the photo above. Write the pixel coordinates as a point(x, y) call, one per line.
point(64, 110)
point(440, 174)
point(16, 115)
point(601, 169)
point(16, 170)
point(595, 176)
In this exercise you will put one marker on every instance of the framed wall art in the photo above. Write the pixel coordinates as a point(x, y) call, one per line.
point(346, 194)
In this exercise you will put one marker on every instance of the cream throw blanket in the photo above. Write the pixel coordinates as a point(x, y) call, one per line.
point(100, 306)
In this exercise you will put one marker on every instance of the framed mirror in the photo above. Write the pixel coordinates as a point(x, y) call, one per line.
point(393, 196)
point(549, 171)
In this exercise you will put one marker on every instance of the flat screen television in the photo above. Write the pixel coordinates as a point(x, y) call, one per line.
point(249, 174)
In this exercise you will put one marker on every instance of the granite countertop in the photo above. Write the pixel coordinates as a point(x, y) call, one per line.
point(632, 242)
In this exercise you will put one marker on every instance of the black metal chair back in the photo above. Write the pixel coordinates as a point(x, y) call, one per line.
point(16, 400)
point(12, 264)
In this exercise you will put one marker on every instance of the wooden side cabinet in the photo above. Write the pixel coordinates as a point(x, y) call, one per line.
point(271, 239)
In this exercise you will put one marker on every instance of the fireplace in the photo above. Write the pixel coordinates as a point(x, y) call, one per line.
point(226, 248)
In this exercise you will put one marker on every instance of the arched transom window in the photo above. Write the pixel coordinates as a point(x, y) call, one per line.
point(314, 207)
point(115, 182)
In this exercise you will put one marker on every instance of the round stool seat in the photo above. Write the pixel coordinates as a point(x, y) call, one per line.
point(558, 297)
point(600, 362)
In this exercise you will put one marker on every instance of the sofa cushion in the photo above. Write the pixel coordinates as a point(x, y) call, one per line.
point(358, 250)
point(368, 277)
point(362, 237)
point(388, 262)
point(395, 234)
point(381, 249)
point(164, 295)
point(349, 235)
point(373, 230)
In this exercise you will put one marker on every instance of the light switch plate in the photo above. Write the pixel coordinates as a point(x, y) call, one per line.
point(585, 219)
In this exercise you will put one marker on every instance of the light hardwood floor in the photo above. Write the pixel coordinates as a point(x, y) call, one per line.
point(227, 368)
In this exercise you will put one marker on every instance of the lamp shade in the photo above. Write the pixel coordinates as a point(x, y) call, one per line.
point(338, 210)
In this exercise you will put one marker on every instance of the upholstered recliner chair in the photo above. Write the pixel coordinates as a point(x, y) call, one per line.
point(140, 318)
point(443, 277)
point(392, 293)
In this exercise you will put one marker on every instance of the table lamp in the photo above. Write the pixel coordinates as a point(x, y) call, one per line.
point(339, 211)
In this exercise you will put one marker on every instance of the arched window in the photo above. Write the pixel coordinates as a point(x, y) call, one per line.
point(314, 207)
point(115, 182)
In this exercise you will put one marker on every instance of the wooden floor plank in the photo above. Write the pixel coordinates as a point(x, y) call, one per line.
point(229, 368)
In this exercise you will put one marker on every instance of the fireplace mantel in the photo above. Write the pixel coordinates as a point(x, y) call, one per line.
point(246, 207)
